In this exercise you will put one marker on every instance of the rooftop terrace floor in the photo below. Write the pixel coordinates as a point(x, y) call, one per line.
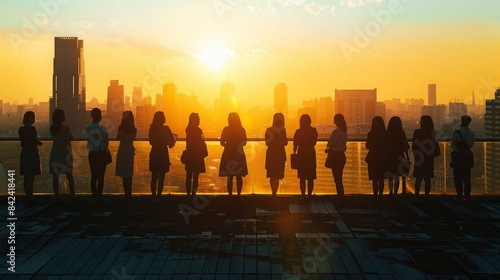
point(255, 237)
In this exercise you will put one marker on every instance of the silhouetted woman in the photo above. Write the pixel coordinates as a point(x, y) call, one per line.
point(276, 141)
point(375, 143)
point(160, 138)
point(233, 162)
point(61, 155)
point(396, 155)
point(30, 158)
point(424, 147)
point(336, 147)
point(97, 144)
point(304, 141)
point(126, 151)
point(196, 150)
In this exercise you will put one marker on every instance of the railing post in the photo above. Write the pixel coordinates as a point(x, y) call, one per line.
point(445, 167)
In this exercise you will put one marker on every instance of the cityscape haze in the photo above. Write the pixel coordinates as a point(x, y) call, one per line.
point(294, 76)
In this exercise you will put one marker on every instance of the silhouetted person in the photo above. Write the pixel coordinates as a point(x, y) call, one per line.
point(276, 140)
point(126, 151)
point(97, 144)
point(304, 141)
point(375, 143)
point(233, 162)
point(424, 147)
point(336, 147)
point(396, 154)
point(30, 158)
point(160, 138)
point(61, 155)
point(196, 150)
point(462, 159)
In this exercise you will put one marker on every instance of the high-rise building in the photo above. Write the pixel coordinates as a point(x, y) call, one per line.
point(227, 100)
point(128, 103)
point(169, 101)
point(380, 110)
point(115, 107)
point(357, 105)
point(437, 113)
point(492, 127)
point(456, 110)
point(431, 94)
point(68, 83)
point(143, 119)
point(136, 98)
point(281, 99)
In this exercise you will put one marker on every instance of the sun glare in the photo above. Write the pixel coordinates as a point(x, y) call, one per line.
point(214, 56)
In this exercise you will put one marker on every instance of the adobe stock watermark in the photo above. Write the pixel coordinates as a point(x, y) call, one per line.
point(32, 26)
point(122, 275)
point(372, 29)
point(153, 79)
point(321, 253)
point(486, 86)
point(221, 7)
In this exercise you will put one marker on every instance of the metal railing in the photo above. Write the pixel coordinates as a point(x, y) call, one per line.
point(485, 174)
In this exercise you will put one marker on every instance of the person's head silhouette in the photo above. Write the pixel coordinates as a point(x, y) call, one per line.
point(305, 121)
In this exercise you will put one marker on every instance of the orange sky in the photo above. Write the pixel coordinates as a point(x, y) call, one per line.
point(287, 41)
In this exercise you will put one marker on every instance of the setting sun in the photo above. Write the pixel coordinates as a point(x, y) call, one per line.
point(214, 55)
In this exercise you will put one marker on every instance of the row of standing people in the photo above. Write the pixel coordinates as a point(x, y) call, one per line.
point(387, 157)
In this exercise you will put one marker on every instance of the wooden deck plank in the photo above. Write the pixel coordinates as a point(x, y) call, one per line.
point(148, 257)
point(210, 265)
point(38, 259)
point(321, 207)
point(337, 219)
point(313, 208)
point(293, 208)
point(138, 254)
point(347, 259)
point(104, 266)
point(62, 255)
point(330, 208)
point(99, 255)
point(74, 255)
point(360, 256)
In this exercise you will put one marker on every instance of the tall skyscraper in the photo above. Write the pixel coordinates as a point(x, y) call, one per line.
point(456, 110)
point(169, 106)
point(136, 98)
point(431, 95)
point(281, 99)
point(491, 120)
point(357, 105)
point(68, 83)
point(115, 107)
point(227, 99)
point(437, 113)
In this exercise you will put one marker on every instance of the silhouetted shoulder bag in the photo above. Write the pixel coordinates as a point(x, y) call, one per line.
point(437, 150)
point(205, 150)
point(294, 161)
point(107, 159)
point(184, 157)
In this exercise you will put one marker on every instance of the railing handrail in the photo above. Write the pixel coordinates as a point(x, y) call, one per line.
point(253, 139)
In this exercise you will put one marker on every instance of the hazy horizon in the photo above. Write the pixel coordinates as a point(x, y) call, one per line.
point(315, 47)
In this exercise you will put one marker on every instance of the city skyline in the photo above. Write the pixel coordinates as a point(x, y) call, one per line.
point(398, 47)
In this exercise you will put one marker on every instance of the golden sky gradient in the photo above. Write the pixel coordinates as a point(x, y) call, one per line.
point(454, 44)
